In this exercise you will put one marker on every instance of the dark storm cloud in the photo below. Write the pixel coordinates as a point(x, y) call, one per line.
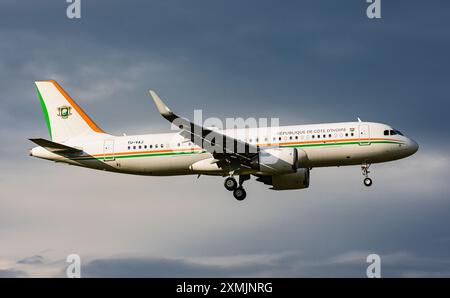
point(33, 260)
point(302, 61)
point(12, 273)
point(316, 58)
point(147, 267)
point(351, 264)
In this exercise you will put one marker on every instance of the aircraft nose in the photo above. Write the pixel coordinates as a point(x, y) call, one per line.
point(413, 146)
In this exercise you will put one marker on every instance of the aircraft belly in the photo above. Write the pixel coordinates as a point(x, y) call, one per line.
point(341, 155)
point(161, 165)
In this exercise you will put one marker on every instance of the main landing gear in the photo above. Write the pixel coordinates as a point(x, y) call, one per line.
point(239, 192)
point(365, 171)
point(230, 184)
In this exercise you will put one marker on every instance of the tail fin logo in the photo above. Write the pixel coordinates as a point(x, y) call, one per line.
point(64, 112)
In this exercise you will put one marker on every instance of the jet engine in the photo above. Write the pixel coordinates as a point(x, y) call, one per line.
point(297, 180)
point(278, 161)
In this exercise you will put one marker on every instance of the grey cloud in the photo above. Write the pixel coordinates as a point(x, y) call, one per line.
point(112, 214)
point(220, 53)
point(281, 264)
point(292, 264)
point(33, 260)
point(302, 61)
point(11, 273)
point(163, 268)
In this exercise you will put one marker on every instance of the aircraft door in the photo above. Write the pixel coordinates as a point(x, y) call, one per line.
point(108, 150)
point(364, 134)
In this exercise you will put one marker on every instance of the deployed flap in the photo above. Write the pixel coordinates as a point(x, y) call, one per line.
point(55, 147)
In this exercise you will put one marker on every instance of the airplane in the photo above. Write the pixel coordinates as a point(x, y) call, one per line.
point(281, 157)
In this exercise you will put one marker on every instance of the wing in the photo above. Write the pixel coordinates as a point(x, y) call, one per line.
point(223, 147)
point(55, 147)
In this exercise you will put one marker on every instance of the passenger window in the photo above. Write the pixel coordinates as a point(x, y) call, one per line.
point(140, 147)
point(151, 146)
point(156, 146)
point(145, 146)
point(296, 137)
point(162, 146)
point(329, 135)
point(324, 136)
point(290, 138)
point(318, 136)
point(352, 134)
point(312, 136)
point(279, 139)
point(134, 147)
point(179, 144)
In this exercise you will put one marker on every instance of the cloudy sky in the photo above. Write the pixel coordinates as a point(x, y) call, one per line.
point(301, 61)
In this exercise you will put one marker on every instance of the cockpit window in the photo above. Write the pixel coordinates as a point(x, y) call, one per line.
point(386, 132)
point(394, 132)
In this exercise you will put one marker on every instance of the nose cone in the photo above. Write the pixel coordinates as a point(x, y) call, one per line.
point(412, 147)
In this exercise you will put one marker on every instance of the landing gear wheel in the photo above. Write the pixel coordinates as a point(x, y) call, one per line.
point(367, 182)
point(230, 184)
point(239, 193)
point(365, 171)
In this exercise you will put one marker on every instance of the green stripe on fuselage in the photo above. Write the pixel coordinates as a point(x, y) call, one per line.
point(341, 143)
point(131, 155)
point(134, 155)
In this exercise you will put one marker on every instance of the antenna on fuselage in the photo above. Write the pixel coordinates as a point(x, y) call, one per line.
point(359, 120)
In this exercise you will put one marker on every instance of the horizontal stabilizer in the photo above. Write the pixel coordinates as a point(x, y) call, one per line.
point(55, 147)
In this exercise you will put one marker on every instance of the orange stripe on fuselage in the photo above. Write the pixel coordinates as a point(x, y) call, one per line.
point(329, 141)
point(148, 151)
point(80, 111)
point(261, 145)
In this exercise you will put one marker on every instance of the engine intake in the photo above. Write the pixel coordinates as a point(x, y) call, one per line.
point(279, 160)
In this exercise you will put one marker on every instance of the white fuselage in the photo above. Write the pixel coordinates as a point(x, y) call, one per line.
point(330, 144)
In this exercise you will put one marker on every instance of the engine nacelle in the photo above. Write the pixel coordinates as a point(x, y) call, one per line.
point(297, 180)
point(278, 161)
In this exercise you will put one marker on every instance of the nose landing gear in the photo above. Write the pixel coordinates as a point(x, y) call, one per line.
point(239, 192)
point(365, 171)
point(367, 182)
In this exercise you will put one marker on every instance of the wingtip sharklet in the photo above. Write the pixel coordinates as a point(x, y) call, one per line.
point(160, 105)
